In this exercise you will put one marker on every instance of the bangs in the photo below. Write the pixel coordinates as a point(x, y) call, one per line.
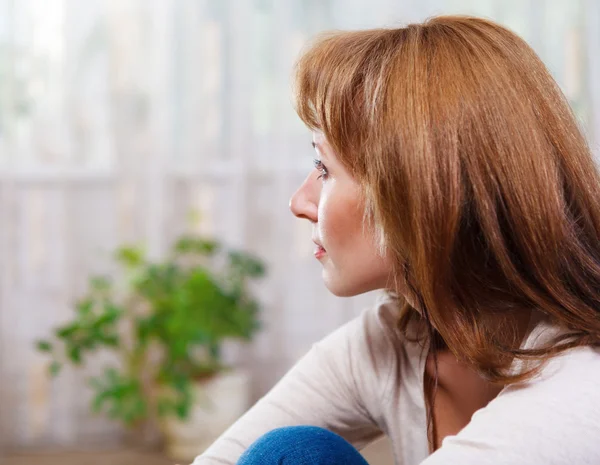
point(339, 86)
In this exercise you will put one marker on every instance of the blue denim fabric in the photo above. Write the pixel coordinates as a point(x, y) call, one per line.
point(301, 445)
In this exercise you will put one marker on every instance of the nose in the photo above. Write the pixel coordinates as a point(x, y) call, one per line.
point(305, 201)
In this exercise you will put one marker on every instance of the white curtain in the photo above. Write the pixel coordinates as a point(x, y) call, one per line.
point(120, 117)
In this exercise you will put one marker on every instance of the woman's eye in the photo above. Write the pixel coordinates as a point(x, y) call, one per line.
point(321, 168)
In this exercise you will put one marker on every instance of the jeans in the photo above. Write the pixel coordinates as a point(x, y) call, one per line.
point(301, 445)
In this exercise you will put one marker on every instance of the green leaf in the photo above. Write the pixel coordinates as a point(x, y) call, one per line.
point(67, 331)
point(196, 245)
point(74, 354)
point(111, 340)
point(100, 283)
point(247, 264)
point(110, 315)
point(119, 396)
point(130, 256)
point(182, 410)
point(84, 307)
point(44, 346)
point(55, 368)
point(165, 407)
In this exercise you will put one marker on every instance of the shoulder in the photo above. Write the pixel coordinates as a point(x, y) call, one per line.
point(568, 387)
point(569, 383)
point(552, 419)
point(571, 377)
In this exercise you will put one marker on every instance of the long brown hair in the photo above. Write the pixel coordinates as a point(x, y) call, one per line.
point(478, 175)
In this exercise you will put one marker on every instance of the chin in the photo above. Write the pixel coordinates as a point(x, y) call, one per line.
point(345, 287)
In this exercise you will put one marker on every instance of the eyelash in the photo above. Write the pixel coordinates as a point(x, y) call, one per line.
point(321, 168)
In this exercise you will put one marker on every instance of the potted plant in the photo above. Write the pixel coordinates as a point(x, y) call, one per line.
point(167, 323)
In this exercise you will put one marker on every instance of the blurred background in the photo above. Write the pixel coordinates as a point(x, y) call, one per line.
point(139, 121)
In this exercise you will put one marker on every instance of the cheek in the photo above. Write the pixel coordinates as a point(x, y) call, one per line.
point(340, 221)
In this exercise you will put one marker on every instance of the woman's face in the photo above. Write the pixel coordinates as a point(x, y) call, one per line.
point(331, 200)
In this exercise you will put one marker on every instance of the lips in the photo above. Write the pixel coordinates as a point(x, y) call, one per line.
point(319, 250)
point(318, 243)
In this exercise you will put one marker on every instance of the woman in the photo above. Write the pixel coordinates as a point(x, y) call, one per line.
point(451, 172)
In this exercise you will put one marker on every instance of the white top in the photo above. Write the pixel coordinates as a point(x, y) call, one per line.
point(365, 379)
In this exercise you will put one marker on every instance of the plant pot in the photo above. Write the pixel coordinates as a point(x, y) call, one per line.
point(146, 436)
point(218, 403)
